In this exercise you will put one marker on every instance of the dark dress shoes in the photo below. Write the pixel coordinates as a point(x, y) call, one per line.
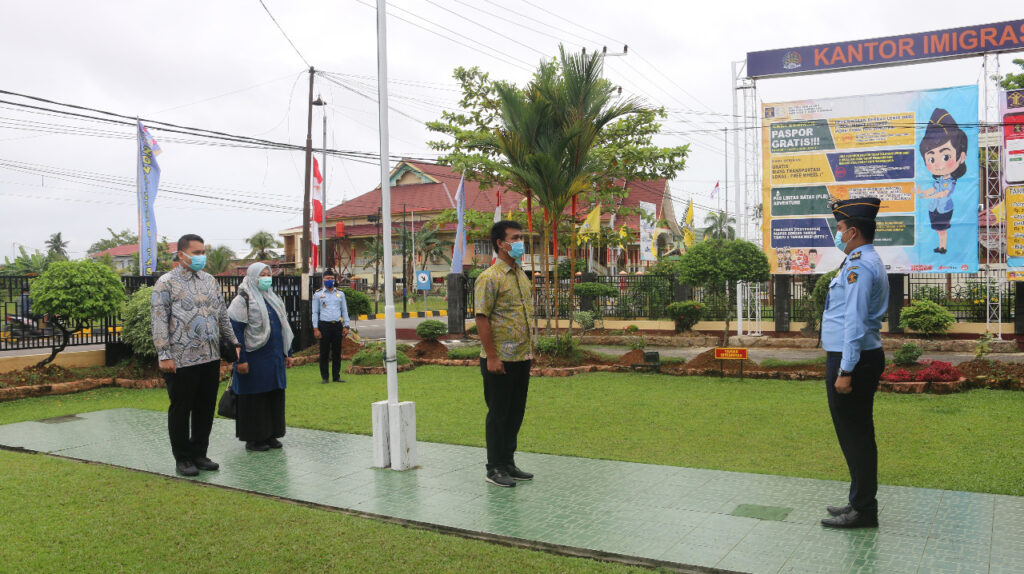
point(518, 474)
point(257, 446)
point(323, 381)
point(186, 468)
point(203, 463)
point(498, 477)
point(274, 443)
point(837, 510)
point(852, 519)
point(338, 380)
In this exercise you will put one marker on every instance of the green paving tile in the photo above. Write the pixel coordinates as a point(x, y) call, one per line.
point(762, 512)
point(727, 520)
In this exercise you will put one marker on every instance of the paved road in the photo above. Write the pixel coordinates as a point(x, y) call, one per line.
point(759, 355)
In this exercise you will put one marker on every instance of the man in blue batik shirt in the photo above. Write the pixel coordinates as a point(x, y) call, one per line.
point(330, 325)
point(851, 326)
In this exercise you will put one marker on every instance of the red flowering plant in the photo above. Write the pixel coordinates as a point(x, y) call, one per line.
point(899, 376)
point(939, 372)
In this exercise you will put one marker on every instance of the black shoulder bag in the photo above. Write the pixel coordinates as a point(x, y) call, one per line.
point(227, 407)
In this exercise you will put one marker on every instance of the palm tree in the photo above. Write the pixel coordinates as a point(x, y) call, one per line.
point(218, 259)
point(548, 131)
point(430, 246)
point(56, 247)
point(719, 226)
point(263, 244)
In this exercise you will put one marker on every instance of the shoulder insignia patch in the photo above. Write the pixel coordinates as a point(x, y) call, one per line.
point(851, 278)
point(856, 256)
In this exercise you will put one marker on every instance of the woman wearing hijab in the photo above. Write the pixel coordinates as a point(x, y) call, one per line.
point(260, 322)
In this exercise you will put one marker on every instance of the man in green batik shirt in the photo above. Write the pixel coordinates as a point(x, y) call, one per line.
point(504, 312)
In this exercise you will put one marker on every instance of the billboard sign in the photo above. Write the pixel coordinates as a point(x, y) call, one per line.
point(916, 151)
point(892, 50)
point(1011, 107)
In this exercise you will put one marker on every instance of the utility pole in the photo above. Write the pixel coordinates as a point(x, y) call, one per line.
point(306, 333)
point(377, 255)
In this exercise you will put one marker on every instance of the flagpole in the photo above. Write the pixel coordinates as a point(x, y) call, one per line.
point(394, 423)
point(323, 199)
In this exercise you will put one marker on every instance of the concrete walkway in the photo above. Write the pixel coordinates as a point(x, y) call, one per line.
point(689, 519)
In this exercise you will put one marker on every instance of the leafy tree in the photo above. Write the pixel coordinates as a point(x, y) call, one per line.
point(718, 264)
point(218, 259)
point(263, 244)
point(138, 330)
point(547, 134)
point(74, 293)
point(373, 253)
point(719, 226)
point(124, 237)
point(57, 248)
point(430, 246)
point(26, 263)
point(1013, 81)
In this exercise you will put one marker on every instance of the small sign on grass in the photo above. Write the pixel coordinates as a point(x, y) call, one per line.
point(724, 354)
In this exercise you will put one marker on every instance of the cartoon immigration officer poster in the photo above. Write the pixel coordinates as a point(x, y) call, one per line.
point(916, 151)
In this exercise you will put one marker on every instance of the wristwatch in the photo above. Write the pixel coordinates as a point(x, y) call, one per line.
point(843, 373)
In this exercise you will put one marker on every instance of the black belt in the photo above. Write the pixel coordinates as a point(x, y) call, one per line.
point(331, 322)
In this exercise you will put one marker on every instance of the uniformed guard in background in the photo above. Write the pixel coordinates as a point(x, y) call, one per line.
point(330, 325)
point(851, 326)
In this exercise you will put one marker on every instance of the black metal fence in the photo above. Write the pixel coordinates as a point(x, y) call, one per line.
point(22, 328)
point(647, 296)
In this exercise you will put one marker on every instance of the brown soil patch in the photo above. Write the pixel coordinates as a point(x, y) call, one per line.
point(634, 357)
point(993, 374)
point(428, 349)
point(707, 360)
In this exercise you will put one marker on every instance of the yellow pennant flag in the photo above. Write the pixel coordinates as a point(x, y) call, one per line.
point(591, 225)
point(688, 236)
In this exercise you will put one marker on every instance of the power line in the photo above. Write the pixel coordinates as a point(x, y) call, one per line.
point(283, 33)
point(489, 29)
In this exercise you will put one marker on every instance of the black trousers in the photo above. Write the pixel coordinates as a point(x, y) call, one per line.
point(330, 342)
point(506, 405)
point(193, 394)
point(853, 418)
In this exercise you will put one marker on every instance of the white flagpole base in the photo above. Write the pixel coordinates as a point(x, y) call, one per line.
point(381, 430)
point(402, 418)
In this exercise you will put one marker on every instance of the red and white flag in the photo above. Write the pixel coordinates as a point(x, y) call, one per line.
point(317, 216)
point(497, 218)
point(714, 192)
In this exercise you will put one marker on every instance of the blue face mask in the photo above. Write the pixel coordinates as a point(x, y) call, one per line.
point(840, 244)
point(517, 250)
point(265, 283)
point(197, 262)
point(328, 283)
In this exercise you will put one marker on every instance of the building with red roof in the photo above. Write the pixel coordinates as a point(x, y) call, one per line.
point(423, 191)
point(125, 257)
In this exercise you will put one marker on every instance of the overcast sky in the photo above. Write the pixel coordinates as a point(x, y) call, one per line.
point(225, 66)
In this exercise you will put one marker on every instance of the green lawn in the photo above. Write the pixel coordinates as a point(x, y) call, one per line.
point(965, 441)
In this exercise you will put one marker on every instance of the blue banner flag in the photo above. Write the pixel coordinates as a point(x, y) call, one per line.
point(459, 251)
point(148, 179)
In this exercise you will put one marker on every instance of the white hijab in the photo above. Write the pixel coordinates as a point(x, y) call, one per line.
point(255, 315)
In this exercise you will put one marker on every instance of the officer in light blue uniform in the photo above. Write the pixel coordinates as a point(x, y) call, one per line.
point(330, 325)
point(851, 326)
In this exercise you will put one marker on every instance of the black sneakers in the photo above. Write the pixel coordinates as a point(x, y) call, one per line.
point(186, 468)
point(517, 474)
point(204, 463)
point(498, 477)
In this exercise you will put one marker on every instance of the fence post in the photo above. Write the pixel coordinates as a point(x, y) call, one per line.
point(679, 291)
point(1018, 308)
point(897, 295)
point(456, 303)
point(783, 300)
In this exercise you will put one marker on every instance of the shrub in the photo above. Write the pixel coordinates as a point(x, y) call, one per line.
point(464, 353)
point(585, 319)
point(475, 272)
point(596, 290)
point(686, 314)
point(431, 330)
point(373, 356)
point(907, 354)
point(939, 372)
point(898, 376)
point(562, 346)
point(471, 330)
point(983, 346)
point(818, 296)
point(138, 330)
point(927, 318)
point(358, 302)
